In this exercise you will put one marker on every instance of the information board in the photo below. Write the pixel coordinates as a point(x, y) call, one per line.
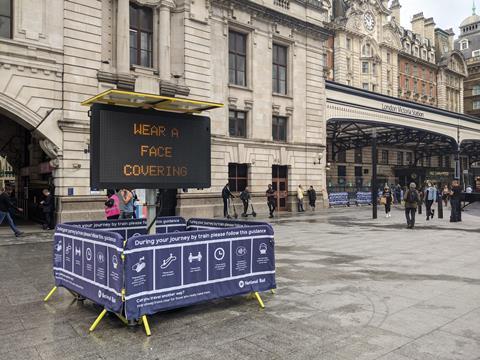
point(148, 149)
point(89, 262)
point(174, 270)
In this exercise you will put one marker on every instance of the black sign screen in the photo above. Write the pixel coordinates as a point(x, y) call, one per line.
point(148, 149)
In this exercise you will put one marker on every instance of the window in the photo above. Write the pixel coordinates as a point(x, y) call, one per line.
point(365, 86)
point(279, 71)
point(384, 157)
point(389, 76)
point(374, 69)
point(342, 156)
point(279, 128)
point(374, 88)
point(349, 64)
point(424, 89)
point(407, 83)
point(476, 105)
point(415, 86)
point(409, 158)
point(399, 158)
point(141, 30)
point(237, 123)
point(415, 70)
point(365, 67)
point(389, 58)
point(237, 176)
point(6, 18)
point(446, 161)
point(476, 90)
point(476, 53)
point(358, 156)
point(349, 44)
point(431, 90)
point(237, 58)
point(342, 171)
point(464, 45)
point(407, 68)
point(358, 171)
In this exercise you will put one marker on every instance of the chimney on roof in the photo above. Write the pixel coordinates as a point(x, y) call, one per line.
point(451, 38)
point(395, 9)
point(418, 24)
point(429, 30)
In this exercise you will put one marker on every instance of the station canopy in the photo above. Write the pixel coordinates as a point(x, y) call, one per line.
point(351, 134)
point(150, 101)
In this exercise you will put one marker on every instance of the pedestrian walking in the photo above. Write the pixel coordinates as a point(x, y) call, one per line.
point(126, 204)
point(48, 209)
point(445, 195)
point(245, 197)
point(226, 196)
point(387, 200)
point(455, 202)
point(5, 206)
point(300, 199)
point(312, 197)
point(112, 205)
point(398, 194)
point(270, 200)
point(430, 198)
point(411, 199)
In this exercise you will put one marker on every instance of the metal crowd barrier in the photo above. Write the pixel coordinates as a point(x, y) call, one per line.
point(340, 198)
point(363, 198)
point(116, 265)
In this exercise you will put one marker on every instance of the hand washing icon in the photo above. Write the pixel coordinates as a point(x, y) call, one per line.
point(140, 265)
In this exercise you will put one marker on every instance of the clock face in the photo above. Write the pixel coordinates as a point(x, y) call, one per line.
point(369, 21)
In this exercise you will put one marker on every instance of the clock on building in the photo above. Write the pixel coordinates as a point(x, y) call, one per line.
point(369, 20)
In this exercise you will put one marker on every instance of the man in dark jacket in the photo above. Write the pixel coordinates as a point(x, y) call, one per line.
point(411, 198)
point(5, 206)
point(455, 202)
point(270, 200)
point(226, 195)
point(312, 197)
point(245, 197)
point(48, 209)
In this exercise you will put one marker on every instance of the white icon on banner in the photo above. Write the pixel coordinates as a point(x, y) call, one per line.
point(263, 249)
point(198, 257)
point(78, 251)
point(241, 251)
point(115, 261)
point(88, 254)
point(58, 247)
point(99, 294)
point(136, 234)
point(219, 254)
point(168, 261)
point(100, 258)
point(68, 249)
point(241, 284)
point(140, 265)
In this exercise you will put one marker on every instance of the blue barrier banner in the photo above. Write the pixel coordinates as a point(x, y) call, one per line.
point(128, 228)
point(174, 270)
point(206, 224)
point(89, 263)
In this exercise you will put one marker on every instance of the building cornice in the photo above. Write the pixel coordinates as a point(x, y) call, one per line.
point(277, 16)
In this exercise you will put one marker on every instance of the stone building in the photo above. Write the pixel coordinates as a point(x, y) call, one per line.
point(373, 52)
point(468, 43)
point(262, 59)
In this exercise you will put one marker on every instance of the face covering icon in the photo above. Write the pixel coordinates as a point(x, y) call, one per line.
point(263, 249)
point(140, 265)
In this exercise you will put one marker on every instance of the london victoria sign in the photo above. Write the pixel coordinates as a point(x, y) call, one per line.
point(148, 149)
point(402, 110)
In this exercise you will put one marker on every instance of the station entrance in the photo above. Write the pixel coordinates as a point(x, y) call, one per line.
point(25, 168)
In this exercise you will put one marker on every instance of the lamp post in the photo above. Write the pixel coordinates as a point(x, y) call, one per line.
point(374, 174)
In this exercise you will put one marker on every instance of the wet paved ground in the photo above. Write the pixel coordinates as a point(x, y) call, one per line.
point(349, 288)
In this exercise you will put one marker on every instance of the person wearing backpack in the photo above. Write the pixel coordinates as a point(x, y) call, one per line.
point(245, 197)
point(411, 203)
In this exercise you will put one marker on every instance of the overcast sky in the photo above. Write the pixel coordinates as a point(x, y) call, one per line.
point(446, 13)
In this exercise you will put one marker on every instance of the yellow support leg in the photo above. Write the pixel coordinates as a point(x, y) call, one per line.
point(146, 326)
point(259, 299)
point(273, 291)
point(122, 319)
point(97, 320)
point(50, 294)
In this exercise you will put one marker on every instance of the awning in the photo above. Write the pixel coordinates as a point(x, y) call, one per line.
point(150, 101)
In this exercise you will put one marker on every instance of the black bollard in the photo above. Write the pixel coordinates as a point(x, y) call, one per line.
point(440, 209)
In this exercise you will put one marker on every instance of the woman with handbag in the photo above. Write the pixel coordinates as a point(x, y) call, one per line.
point(386, 199)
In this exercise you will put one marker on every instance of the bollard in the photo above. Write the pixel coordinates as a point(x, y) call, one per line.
point(440, 209)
